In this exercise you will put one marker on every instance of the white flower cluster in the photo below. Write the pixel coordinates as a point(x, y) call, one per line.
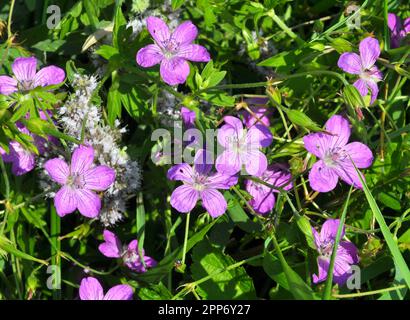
point(167, 109)
point(139, 22)
point(78, 114)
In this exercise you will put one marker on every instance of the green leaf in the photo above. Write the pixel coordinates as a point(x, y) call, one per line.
point(298, 287)
point(299, 118)
point(231, 284)
point(114, 105)
point(106, 51)
point(304, 225)
point(7, 246)
point(176, 4)
point(119, 21)
point(140, 224)
point(49, 45)
point(239, 216)
point(155, 292)
point(274, 270)
point(219, 98)
point(341, 45)
point(398, 294)
point(391, 243)
point(389, 200)
point(165, 265)
point(352, 97)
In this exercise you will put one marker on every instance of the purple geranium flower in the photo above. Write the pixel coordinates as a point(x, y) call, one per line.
point(260, 110)
point(398, 29)
point(363, 66)
point(200, 183)
point(242, 147)
point(91, 289)
point(263, 197)
point(188, 117)
point(346, 254)
point(79, 180)
point(172, 50)
point(336, 156)
point(26, 77)
point(112, 248)
point(23, 160)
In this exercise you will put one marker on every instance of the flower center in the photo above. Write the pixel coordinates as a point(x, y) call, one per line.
point(326, 249)
point(76, 181)
point(130, 256)
point(368, 75)
point(199, 182)
point(171, 47)
point(333, 156)
point(25, 85)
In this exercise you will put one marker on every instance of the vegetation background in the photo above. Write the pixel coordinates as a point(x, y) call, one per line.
point(287, 50)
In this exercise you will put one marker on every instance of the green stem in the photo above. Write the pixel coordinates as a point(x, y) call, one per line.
point(278, 79)
point(386, 27)
point(55, 231)
point(185, 238)
point(328, 288)
point(369, 293)
point(285, 28)
point(6, 179)
point(9, 34)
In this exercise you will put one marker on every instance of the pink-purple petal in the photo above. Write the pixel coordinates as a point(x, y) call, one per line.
point(181, 172)
point(374, 90)
point(82, 159)
point(346, 171)
point(317, 143)
point(48, 76)
point(214, 202)
point(184, 198)
point(119, 292)
point(91, 289)
point(174, 71)
point(329, 230)
point(88, 203)
point(185, 33)
point(99, 178)
point(361, 86)
point(112, 246)
point(369, 52)
point(58, 170)
point(341, 271)
point(24, 68)
point(255, 162)
point(228, 162)
point(8, 85)
point(22, 160)
point(350, 62)
point(149, 56)
point(322, 178)
point(406, 25)
point(261, 202)
point(65, 201)
point(361, 155)
point(323, 267)
point(221, 181)
point(158, 30)
point(339, 127)
point(194, 52)
point(259, 135)
point(188, 117)
point(203, 162)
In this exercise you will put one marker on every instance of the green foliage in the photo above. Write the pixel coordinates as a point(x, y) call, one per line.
point(283, 51)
